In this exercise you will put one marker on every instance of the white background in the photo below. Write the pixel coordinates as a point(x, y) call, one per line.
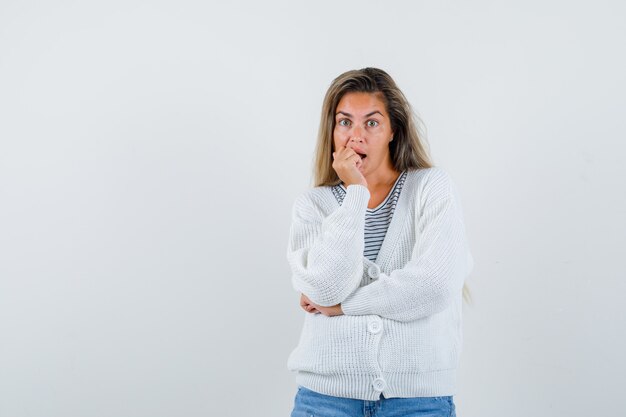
point(150, 153)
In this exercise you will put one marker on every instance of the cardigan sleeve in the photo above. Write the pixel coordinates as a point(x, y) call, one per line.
point(440, 261)
point(326, 254)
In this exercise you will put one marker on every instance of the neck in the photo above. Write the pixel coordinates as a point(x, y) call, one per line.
point(383, 177)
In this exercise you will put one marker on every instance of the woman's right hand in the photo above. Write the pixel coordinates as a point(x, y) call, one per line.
point(307, 304)
point(310, 307)
point(346, 163)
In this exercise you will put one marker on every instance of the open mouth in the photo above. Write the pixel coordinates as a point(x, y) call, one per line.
point(363, 156)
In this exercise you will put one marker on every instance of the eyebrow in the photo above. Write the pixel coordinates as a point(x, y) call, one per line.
point(367, 115)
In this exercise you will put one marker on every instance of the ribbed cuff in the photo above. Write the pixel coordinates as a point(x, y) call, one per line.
point(355, 304)
point(356, 198)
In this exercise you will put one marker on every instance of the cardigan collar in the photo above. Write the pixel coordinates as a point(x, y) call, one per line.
point(399, 221)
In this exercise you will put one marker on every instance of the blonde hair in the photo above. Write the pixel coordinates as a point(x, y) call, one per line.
point(408, 149)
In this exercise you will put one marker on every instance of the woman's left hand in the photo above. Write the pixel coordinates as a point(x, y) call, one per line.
point(310, 307)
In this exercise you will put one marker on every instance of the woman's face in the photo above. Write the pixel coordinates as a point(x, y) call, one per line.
point(362, 124)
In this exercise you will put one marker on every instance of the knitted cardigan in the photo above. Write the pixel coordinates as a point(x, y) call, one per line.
point(400, 334)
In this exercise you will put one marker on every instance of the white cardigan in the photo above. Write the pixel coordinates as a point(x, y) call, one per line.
point(401, 333)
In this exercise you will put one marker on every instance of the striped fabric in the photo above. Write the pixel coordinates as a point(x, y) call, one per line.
point(377, 219)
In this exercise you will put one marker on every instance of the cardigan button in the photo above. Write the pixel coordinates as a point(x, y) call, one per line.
point(373, 271)
point(374, 326)
point(379, 384)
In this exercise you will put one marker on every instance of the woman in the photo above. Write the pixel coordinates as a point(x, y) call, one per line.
point(379, 253)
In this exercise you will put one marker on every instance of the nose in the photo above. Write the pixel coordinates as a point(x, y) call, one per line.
point(355, 140)
point(356, 130)
point(355, 135)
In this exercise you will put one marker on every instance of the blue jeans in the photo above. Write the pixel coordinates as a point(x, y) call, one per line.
point(309, 403)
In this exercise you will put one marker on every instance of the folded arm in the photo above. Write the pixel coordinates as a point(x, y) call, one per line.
point(434, 276)
point(326, 254)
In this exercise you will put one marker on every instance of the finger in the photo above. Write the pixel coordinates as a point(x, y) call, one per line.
point(349, 157)
point(344, 150)
point(352, 154)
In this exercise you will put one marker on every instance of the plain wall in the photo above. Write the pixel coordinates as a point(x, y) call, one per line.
point(150, 153)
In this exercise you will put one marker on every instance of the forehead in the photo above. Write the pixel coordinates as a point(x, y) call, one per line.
point(357, 103)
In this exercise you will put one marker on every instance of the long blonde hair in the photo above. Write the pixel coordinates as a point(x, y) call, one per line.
point(408, 149)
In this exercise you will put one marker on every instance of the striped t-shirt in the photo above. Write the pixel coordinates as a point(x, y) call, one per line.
point(377, 219)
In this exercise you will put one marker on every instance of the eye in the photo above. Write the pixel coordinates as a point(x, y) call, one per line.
point(372, 123)
point(341, 122)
